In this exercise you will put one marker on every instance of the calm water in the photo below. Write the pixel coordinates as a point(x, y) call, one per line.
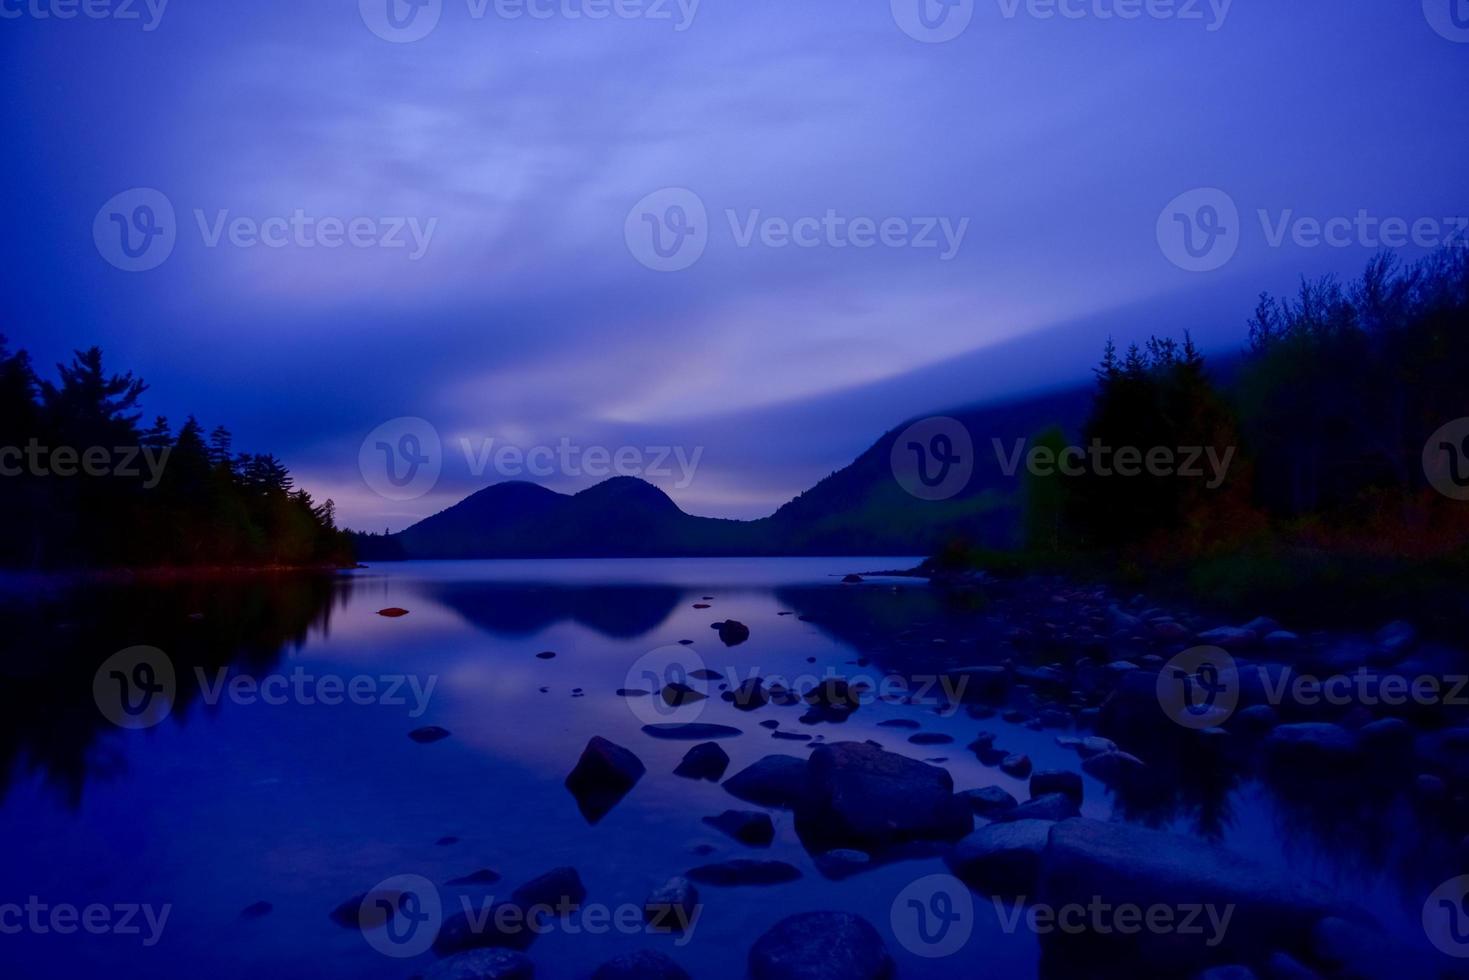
point(304, 805)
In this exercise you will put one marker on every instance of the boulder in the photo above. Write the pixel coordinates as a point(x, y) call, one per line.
point(751, 827)
point(1016, 764)
point(1229, 638)
point(678, 694)
point(1310, 745)
point(704, 761)
point(988, 800)
point(603, 775)
point(503, 926)
point(862, 796)
point(1003, 858)
point(1047, 781)
point(821, 946)
point(1053, 806)
point(776, 780)
point(1113, 768)
point(1397, 637)
point(560, 890)
point(1087, 860)
point(645, 964)
point(732, 632)
point(842, 862)
point(483, 964)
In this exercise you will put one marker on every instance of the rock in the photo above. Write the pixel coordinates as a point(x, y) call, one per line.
point(984, 683)
point(746, 826)
point(776, 780)
point(1227, 973)
point(258, 910)
point(503, 926)
point(677, 694)
point(821, 946)
point(1052, 806)
point(749, 695)
point(1002, 858)
point(744, 871)
point(791, 736)
point(603, 776)
point(862, 796)
point(1095, 745)
point(1262, 625)
point(484, 876)
point(1047, 781)
point(1016, 764)
point(832, 700)
point(559, 890)
point(672, 906)
point(1169, 631)
point(645, 964)
point(704, 761)
point(690, 731)
point(428, 734)
point(842, 862)
point(898, 723)
point(483, 964)
point(546, 655)
point(1283, 966)
point(1229, 638)
point(392, 612)
point(1257, 719)
point(732, 632)
point(930, 738)
point(851, 579)
point(1386, 736)
point(1121, 863)
point(1113, 768)
point(366, 911)
point(1310, 744)
point(988, 800)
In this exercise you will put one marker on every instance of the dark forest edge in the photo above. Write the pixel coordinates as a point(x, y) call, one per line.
point(85, 486)
point(1327, 502)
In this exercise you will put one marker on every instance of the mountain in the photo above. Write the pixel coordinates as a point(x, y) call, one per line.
point(860, 509)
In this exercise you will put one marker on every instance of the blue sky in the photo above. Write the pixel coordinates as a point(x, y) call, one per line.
point(518, 148)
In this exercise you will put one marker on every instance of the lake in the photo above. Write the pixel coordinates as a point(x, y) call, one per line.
point(279, 769)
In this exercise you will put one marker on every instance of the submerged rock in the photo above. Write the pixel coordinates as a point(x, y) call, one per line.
point(843, 862)
point(1052, 806)
point(560, 890)
point(676, 695)
point(672, 906)
point(429, 734)
point(744, 871)
point(690, 731)
point(1047, 781)
point(1017, 764)
point(751, 827)
point(483, 964)
point(257, 910)
point(821, 946)
point(704, 761)
point(392, 612)
point(645, 964)
point(484, 876)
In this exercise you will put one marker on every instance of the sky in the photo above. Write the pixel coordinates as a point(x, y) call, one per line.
point(724, 245)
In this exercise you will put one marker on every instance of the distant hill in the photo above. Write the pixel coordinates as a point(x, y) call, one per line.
point(858, 510)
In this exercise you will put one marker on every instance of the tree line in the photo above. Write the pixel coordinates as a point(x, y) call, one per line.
point(84, 483)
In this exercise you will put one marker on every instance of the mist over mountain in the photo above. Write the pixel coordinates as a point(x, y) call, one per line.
point(860, 509)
